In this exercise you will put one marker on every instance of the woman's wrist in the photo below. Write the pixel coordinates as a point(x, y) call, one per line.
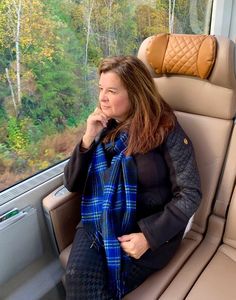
point(87, 141)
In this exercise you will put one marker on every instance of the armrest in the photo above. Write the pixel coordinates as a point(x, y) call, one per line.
point(62, 212)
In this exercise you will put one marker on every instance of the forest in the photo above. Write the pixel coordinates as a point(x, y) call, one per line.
point(49, 54)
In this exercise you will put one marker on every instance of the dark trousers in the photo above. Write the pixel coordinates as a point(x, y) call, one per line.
point(86, 273)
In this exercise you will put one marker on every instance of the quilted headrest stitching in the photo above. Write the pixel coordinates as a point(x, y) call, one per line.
point(182, 54)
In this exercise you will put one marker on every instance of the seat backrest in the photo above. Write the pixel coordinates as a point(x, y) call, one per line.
point(195, 75)
point(230, 229)
point(227, 180)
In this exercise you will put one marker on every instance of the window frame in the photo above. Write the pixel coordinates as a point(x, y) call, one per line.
point(221, 17)
point(51, 174)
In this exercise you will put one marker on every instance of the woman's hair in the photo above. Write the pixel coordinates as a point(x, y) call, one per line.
point(150, 118)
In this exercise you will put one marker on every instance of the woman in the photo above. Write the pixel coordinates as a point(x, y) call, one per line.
point(136, 170)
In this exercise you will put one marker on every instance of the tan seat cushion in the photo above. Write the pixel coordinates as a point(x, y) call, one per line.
point(218, 279)
point(217, 282)
point(184, 54)
point(64, 211)
point(214, 97)
point(230, 230)
point(64, 256)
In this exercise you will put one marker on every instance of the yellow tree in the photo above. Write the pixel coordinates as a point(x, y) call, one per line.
point(151, 20)
point(23, 27)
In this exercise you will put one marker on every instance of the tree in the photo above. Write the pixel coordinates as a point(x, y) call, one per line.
point(27, 34)
point(89, 10)
point(150, 20)
point(14, 12)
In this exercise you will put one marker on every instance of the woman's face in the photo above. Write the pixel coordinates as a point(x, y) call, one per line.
point(113, 96)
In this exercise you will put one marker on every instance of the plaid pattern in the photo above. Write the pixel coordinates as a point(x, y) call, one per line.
point(109, 204)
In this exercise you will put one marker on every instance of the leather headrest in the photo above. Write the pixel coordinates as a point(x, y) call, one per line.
point(182, 54)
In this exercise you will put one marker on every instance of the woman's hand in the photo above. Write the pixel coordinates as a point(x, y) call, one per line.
point(134, 244)
point(95, 123)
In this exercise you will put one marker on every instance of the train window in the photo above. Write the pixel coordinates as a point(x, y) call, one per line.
point(49, 53)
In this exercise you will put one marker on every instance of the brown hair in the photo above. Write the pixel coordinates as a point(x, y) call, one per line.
point(150, 118)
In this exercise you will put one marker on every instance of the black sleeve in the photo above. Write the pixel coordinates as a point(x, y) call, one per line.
point(179, 155)
point(75, 171)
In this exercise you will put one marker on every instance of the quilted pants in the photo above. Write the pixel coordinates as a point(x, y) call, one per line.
point(86, 273)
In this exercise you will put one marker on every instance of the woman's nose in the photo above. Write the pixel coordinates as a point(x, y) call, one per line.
point(103, 96)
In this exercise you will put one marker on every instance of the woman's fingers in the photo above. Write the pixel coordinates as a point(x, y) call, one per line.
point(96, 121)
point(98, 116)
point(134, 244)
point(125, 238)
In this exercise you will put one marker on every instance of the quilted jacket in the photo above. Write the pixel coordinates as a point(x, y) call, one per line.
point(168, 192)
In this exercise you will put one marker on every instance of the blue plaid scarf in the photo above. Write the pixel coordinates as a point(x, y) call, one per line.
point(109, 204)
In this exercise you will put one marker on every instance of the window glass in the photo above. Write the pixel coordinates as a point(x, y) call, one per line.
point(49, 54)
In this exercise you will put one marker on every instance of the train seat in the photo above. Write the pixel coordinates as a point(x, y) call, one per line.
point(217, 281)
point(195, 75)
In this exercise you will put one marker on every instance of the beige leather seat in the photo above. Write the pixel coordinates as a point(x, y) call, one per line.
point(205, 107)
point(217, 282)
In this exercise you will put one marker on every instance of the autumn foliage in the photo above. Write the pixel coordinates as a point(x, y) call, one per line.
point(49, 53)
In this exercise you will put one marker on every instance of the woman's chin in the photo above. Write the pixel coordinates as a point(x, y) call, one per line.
point(106, 113)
